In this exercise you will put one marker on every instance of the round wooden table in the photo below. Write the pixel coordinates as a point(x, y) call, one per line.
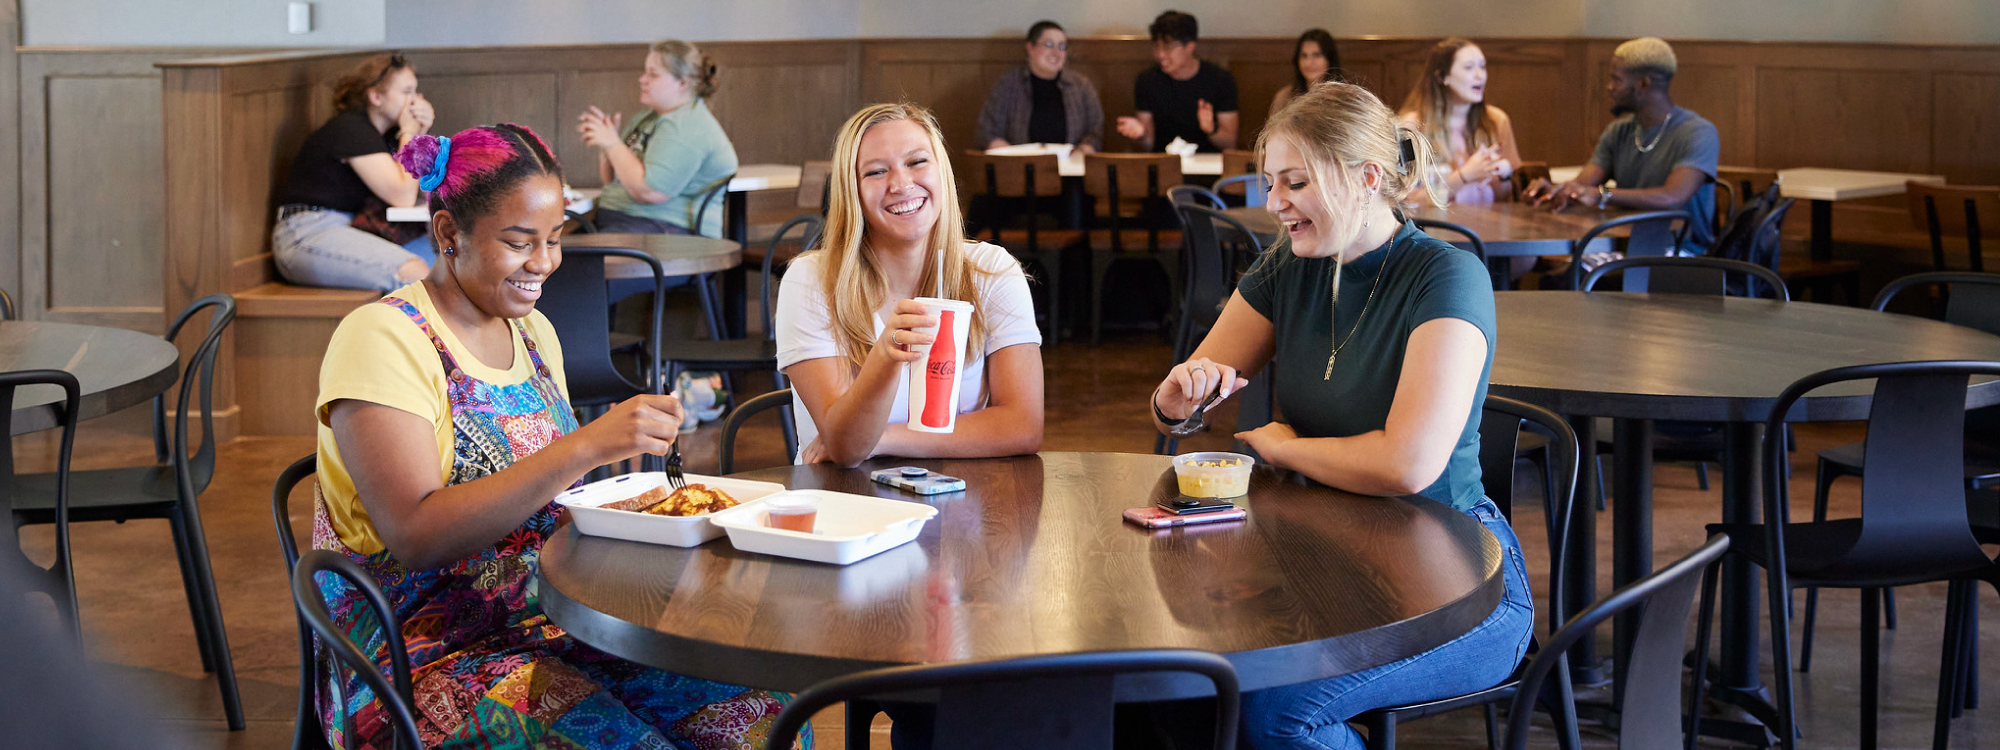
point(1507, 229)
point(1641, 357)
point(681, 254)
point(115, 368)
point(1034, 558)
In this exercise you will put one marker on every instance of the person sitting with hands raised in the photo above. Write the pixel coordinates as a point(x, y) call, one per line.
point(848, 324)
point(657, 170)
point(1382, 340)
point(445, 432)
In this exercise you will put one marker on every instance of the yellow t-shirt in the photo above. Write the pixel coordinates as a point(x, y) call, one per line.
point(379, 355)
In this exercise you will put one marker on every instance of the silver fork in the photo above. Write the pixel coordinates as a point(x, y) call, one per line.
point(674, 475)
point(1194, 420)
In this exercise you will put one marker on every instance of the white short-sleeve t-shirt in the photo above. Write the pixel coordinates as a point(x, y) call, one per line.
point(804, 325)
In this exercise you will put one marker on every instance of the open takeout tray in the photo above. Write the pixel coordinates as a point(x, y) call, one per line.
point(678, 531)
point(848, 528)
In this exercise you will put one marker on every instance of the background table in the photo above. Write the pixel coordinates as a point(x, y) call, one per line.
point(114, 368)
point(1641, 357)
point(681, 254)
point(1824, 186)
point(1507, 229)
point(1034, 559)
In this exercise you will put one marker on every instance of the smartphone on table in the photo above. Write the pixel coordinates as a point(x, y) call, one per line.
point(1157, 517)
point(918, 480)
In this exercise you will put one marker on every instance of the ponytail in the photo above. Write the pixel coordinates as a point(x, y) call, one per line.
point(686, 62)
point(1419, 165)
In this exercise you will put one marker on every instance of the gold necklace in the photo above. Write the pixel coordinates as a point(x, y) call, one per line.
point(1334, 331)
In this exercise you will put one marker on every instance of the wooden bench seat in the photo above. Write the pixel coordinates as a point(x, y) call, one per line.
point(281, 336)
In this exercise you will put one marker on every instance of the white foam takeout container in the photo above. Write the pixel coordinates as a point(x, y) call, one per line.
point(678, 531)
point(848, 528)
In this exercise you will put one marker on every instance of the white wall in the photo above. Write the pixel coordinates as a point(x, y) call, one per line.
point(448, 23)
point(196, 23)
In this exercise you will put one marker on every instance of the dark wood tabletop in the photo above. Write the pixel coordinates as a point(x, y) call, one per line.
point(1033, 558)
point(116, 368)
point(1506, 228)
point(1706, 358)
point(681, 254)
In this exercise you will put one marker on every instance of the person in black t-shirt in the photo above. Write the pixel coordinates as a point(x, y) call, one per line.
point(1185, 97)
point(333, 228)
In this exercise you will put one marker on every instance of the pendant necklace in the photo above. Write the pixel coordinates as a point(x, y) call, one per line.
point(1334, 330)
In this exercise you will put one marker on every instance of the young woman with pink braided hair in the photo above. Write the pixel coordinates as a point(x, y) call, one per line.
point(444, 431)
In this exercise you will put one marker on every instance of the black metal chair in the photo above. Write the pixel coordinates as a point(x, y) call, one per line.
point(1033, 183)
point(577, 302)
point(1129, 188)
point(780, 399)
point(759, 354)
point(1971, 300)
point(1701, 275)
point(59, 579)
point(1045, 702)
point(306, 731)
point(1651, 233)
point(6, 306)
point(1914, 525)
point(1208, 277)
point(709, 197)
point(170, 489)
point(1651, 716)
point(397, 697)
point(1499, 429)
point(1954, 211)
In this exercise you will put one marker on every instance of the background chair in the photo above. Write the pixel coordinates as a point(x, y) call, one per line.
point(1131, 191)
point(1958, 211)
point(1046, 702)
point(1651, 233)
point(576, 301)
point(6, 306)
point(1914, 526)
point(1016, 189)
point(169, 489)
point(758, 354)
point(780, 399)
point(1240, 177)
point(58, 580)
point(1208, 276)
point(1650, 718)
point(1499, 430)
point(306, 731)
point(396, 697)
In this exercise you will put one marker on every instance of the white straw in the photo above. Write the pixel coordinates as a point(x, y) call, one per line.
point(940, 273)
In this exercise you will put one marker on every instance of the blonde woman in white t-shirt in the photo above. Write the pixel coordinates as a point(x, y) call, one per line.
point(847, 319)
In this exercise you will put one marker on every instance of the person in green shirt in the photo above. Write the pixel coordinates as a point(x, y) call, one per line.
point(1382, 340)
point(657, 168)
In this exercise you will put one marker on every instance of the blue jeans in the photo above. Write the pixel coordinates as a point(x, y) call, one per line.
point(1314, 714)
point(319, 248)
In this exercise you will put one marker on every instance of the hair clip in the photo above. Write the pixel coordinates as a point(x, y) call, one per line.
point(435, 177)
point(1408, 154)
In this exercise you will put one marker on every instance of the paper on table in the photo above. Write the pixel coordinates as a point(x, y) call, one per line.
point(1181, 148)
point(1061, 150)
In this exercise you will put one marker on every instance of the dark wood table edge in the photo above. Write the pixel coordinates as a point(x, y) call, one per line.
point(1258, 669)
point(28, 419)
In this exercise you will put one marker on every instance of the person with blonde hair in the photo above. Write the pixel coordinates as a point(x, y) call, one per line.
point(657, 168)
point(1662, 156)
point(1382, 339)
point(1449, 107)
point(848, 324)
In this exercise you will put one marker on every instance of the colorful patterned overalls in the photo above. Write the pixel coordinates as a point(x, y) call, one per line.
point(489, 669)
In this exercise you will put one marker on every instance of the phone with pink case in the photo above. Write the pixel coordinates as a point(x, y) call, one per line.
point(1156, 517)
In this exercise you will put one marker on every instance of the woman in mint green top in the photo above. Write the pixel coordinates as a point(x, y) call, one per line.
point(657, 167)
point(1382, 338)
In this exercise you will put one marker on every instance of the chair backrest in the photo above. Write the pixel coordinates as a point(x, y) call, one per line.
point(306, 731)
point(397, 697)
point(1754, 233)
point(1651, 233)
point(1747, 181)
point(1015, 176)
point(577, 304)
point(1121, 181)
point(1913, 511)
point(1195, 195)
point(1478, 246)
point(6, 306)
point(1724, 209)
point(1525, 174)
point(815, 180)
point(1954, 211)
point(1499, 435)
point(726, 455)
point(809, 227)
point(1702, 275)
point(1058, 701)
point(1237, 162)
point(193, 470)
point(1971, 299)
point(1650, 716)
point(1210, 271)
point(60, 583)
point(711, 196)
point(1251, 186)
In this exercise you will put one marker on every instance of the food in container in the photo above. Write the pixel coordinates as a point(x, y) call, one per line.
point(1213, 474)
point(600, 508)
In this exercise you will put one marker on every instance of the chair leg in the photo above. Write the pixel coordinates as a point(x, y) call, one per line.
point(1701, 475)
point(1968, 659)
point(1703, 625)
point(225, 666)
point(1052, 291)
point(203, 639)
point(1599, 462)
point(1871, 667)
point(1950, 667)
point(1822, 484)
point(1381, 726)
point(1778, 593)
point(860, 719)
point(1492, 727)
point(1100, 264)
point(1563, 714)
point(1889, 608)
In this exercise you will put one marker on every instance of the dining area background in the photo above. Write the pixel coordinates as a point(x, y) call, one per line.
point(1652, 299)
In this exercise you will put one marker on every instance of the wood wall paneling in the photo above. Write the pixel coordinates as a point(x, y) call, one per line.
point(1810, 113)
point(10, 151)
point(105, 208)
point(467, 100)
point(1965, 125)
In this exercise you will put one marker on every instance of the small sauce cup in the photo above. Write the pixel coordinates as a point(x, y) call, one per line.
point(791, 512)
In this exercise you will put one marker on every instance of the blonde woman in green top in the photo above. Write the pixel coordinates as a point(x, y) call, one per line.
point(657, 168)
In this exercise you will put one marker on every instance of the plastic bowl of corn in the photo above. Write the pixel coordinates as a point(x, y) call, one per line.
point(1213, 474)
